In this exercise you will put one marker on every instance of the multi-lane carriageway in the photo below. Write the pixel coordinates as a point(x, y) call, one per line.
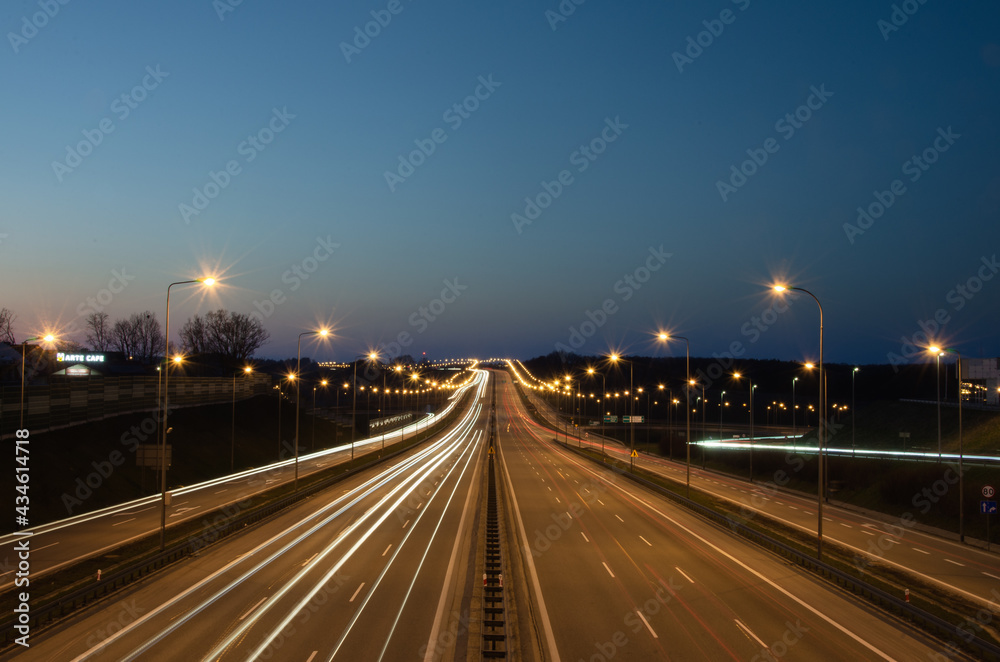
point(382, 567)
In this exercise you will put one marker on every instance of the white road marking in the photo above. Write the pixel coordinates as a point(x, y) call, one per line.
point(961, 565)
point(124, 521)
point(639, 611)
point(308, 560)
point(917, 549)
point(620, 519)
point(645, 541)
point(683, 574)
point(356, 592)
point(405, 524)
point(251, 610)
point(750, 633)
point(607, 568)
point(387, 549)
point(581, 533)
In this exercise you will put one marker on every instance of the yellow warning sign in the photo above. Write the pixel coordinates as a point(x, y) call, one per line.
point(635, 453)
point(491, 450)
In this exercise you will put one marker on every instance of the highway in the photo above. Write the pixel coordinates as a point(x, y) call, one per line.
point(58, 544)
point(968, 571)
point(369, 569)
point(622, 573)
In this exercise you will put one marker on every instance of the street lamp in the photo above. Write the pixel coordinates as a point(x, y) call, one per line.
point(312, 444)
point(24, 352)
point(298, 375)
point(166, 408)
point(854, 373)
point(614, 358)
point(961, 492)
point(794, 407)
point(232, 447)
point(688, 382)
point(752, 386)
point(822, 423)
point(372, 356)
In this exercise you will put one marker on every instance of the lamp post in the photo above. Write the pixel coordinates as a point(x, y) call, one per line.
point(722, 405)
point(822, 423)
point(24, 353)
point(794, 406)
point(614, 358)
point(664, 337)
point(937, 360)
point(298, 379)
point(312, 444)
point(751, 385)
point(166, 409)
point(604, 390)
point(854, 374)
point(961, 473)
point(232, 446)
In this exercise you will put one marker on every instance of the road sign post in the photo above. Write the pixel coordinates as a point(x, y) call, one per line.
point(987, 508)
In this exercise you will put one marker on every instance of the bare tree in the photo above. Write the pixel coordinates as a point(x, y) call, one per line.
point(233, 336)
point(99, 331)
point(7, 318)
point(139, 337)
point(194, 336)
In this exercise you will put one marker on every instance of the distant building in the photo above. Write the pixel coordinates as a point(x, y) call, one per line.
point(981, 381)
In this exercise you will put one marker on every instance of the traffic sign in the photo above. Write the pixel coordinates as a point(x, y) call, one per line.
point(491, 450)
point(988, 491)
point(633, 419)
point(635, 453)
point(610, 419)
point(988, 507)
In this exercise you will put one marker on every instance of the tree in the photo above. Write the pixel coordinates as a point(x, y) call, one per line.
point(233, 336)
point(99, 331)
point(7, 318)
point(139, 337)
point(194, 336)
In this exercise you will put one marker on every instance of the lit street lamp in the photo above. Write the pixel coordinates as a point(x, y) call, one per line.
point(166, 408)
point(961, 492)
point(312, 444)
point(854, 373)
point(614, 358)
point(24, 352)
point(232, 447)
point(688, 382)
point(822, 423)
point(298, 375)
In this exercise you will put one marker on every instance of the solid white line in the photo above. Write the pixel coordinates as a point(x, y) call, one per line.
point(645, 541)
point(961, 565)
point(639, 611)
point(387, 549)
point(683, 574)
point(250, 611)
point(607, 568)
point(356, 592)
point(750, 632)
point(124, 521)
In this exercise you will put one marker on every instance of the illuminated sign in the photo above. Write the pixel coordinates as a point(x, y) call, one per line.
point(80, 358)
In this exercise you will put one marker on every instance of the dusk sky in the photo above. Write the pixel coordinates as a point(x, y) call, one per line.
point(121, 119)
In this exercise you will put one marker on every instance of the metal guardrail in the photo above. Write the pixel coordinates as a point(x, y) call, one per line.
point(108, 584)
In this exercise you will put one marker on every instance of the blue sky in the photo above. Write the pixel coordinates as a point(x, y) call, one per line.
point(318, 188)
